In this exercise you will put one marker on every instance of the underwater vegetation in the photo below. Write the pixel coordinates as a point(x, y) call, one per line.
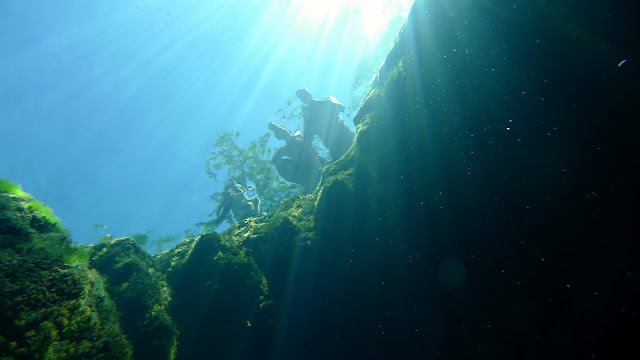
point(156, 244)
point(245, 165)
point(142, 239)
point(468, 220)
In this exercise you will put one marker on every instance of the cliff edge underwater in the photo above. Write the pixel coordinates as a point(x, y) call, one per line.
point(487, 209)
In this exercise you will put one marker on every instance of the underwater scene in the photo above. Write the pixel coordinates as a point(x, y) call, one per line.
point(319, 179)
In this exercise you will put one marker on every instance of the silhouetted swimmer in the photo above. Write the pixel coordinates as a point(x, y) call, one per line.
point(322, 118)
point(297, 161)
point(234, 198)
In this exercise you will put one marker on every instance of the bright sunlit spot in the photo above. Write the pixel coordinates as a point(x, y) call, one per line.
point(323, 40)
point(373, 15)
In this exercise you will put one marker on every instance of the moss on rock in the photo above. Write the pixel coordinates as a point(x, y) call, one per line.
point(41, 218)
point(276, 242)
point(220, 302)
point(28, 229)
point(141, 294)
point(48, 308)
point(54, 311)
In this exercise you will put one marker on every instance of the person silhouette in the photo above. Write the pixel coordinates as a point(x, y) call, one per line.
point(234, 199)
point(322, 118)
point(297, 161)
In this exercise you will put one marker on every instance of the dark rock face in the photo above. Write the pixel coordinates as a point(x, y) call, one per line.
point(488, 207)
point(219, 298)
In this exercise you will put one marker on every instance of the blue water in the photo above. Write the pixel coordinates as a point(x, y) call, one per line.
point(109, 109)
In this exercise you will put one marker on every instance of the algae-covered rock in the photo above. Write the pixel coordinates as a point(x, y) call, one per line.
point(141, 295)
point(273, 241)
point(54, 311)
point(220, 298)
point(50, 309)
point(27, 226)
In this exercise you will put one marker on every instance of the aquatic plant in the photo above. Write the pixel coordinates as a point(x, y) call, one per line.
point(142, 239)
point(162, 242)
point(154, 245)
point(251, 163)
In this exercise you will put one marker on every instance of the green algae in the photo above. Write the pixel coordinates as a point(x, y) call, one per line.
point(63, 313)
point(52, 305)
point(217, 289)
point(141, 295)
point(33, 205)
point(24, 230)
point(80, 254)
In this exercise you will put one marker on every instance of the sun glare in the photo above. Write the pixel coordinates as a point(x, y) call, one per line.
point(373, 15)
point(319, 10)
